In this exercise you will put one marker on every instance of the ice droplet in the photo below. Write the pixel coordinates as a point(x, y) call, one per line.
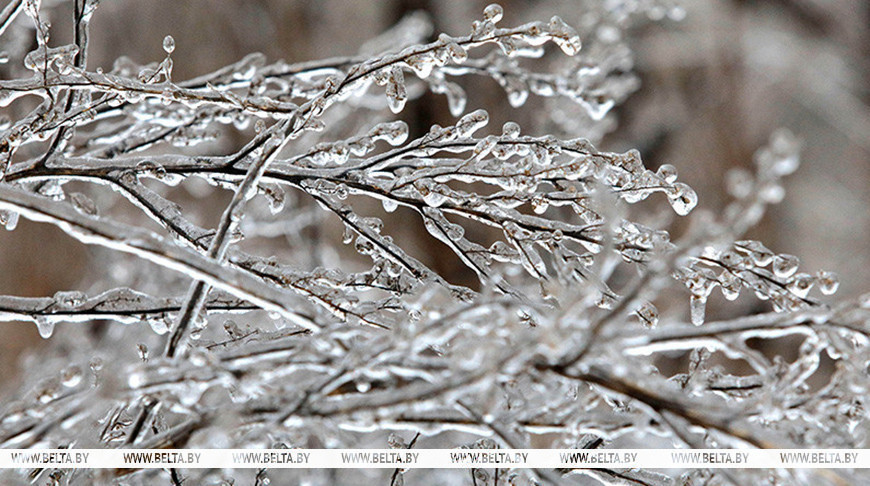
point(397, 94)
point(159, 325)
point(517, 91)
point(684, 200)
point(597, 109)
point(143, 351)
point(394, 133)
point(785, 265)
point(396, 441)
point(739, 183)
point(648, 314)
point(168, 44)
point(801, 284)
point(390, 205)
point(829, 282)
point(347, 235)
point(564, 36)
point(456, 98)
point(539, 205)
point(759, 253)
point(45, 327)
point(493, 13)
point(511, 130)
point(8, 219)
point(71, 376)
point(785, 147)
point(470, 123)
point(96, 364)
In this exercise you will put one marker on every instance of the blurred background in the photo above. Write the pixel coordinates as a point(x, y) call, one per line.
point(715, 79)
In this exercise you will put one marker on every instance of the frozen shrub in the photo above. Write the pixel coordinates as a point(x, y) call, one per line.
point(238, 336)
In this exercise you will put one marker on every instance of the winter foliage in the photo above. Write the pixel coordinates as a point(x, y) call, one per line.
point(236, 331)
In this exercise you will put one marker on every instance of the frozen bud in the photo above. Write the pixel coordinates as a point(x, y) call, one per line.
point(564, 36)
point(470, 123)
point(8, 219)
point(69, 299)
point(759, 253)
point(697, 306)
point(801, 284)
point(668, 173)
point(394, 133)
point(42, 57)
point(730, 285)
point(684, 199)
point(482, 29)
point(785, 265)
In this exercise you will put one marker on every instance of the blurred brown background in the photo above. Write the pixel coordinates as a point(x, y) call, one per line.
point(714, 86)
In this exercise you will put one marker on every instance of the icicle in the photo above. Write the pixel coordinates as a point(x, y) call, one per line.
point(697, 306)
point(71, 376)
point(684, 199)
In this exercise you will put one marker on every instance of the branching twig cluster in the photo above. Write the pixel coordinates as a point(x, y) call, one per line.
point(556, 344)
